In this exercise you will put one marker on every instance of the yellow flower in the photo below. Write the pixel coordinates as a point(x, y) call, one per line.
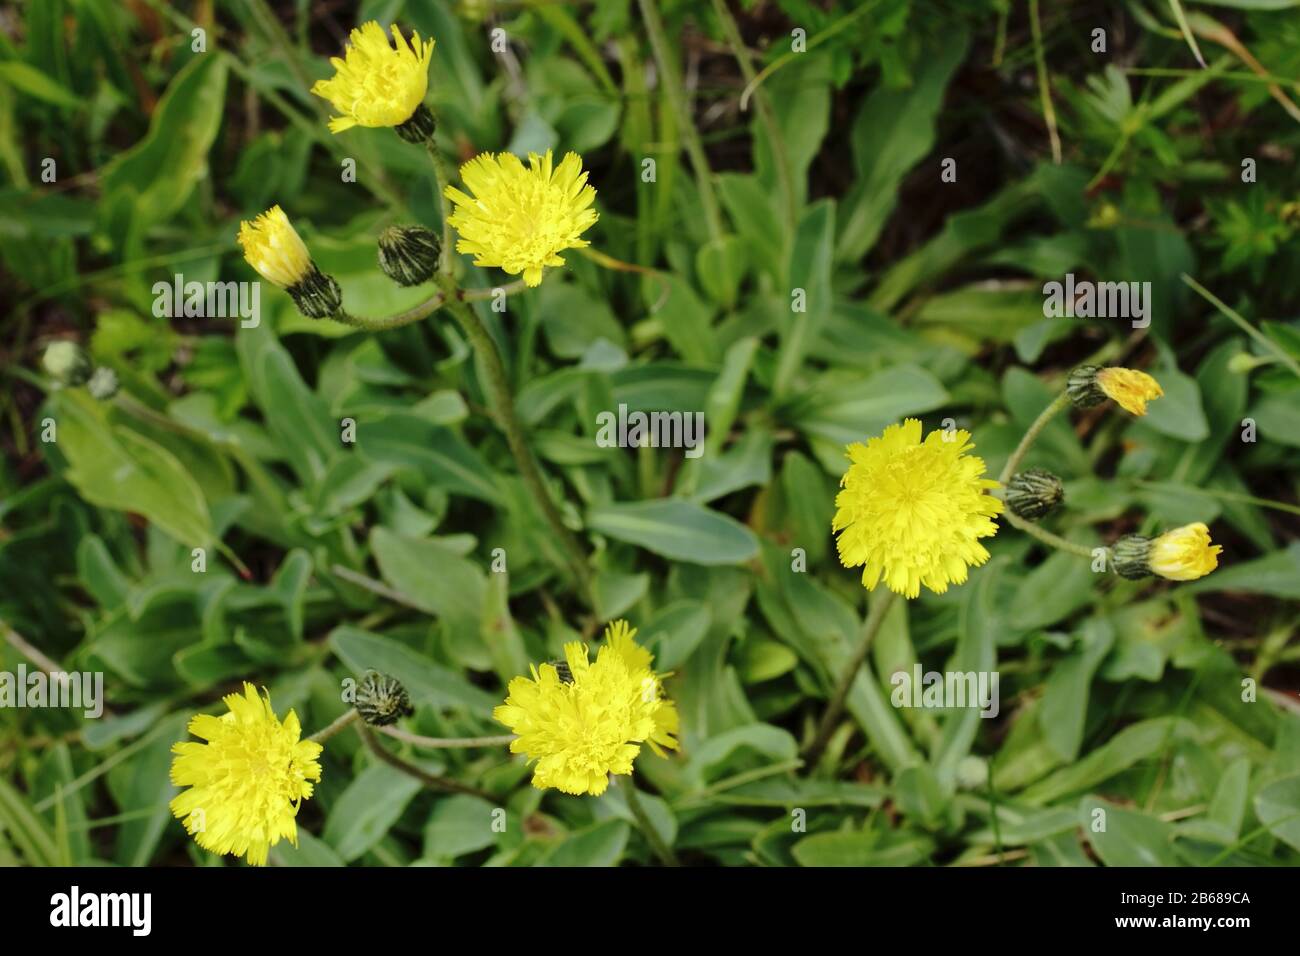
point(521, 219)
point(377, 85)
point(590, 723)
point(1130, 388)
point(246, 783)
point(912, 511)
point(1184, 554)
point(273, 247)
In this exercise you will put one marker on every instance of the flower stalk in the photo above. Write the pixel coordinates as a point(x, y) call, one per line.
point(661, 849)
point(875, 618)
point(504, 412)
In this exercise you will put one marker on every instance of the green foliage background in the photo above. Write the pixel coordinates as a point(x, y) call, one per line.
point(924, 299)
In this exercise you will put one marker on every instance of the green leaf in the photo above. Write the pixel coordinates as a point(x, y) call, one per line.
point(676, 529)
point(1278, 808)
point(367, 809)
point(116, 468)
point(861, 849)
point(458, 825)
point(598, 845)
point(161, 170)
point(27, 79)
point(1124, 838)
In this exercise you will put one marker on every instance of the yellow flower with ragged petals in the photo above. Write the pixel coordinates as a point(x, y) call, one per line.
point(582, 729)
point(273, 247)
point(1129, 388)
point(519, 219)
point(912, 512)
point(1184, 554)
point(247, 782)
point(376, 84)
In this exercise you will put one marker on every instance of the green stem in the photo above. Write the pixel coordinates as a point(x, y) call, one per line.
point(1048, 413)
point(672, 82)
point(1241, 323)
point(445, 743)
point(325, 733)
point(1045, 90)
point(660, 848)
point(428, 779)
point(423, 310)
point(442, 176)
point(508, 420)
point(765, 113)
point(875, 618)
point(1052, 540)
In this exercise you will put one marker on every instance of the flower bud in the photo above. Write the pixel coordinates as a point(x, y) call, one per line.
point(382, 700)
point(103, 384)
point(1090, 385)
point(419, 128)
point(409, 254)
point(316, 295)
point(1033, 493)
point(66, 363)
point(1131, 555)
point(972, 772)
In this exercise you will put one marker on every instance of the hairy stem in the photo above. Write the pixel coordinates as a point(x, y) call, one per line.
point(508, 420)
point(660, 848)
point(445, 743)
point(1048, 413)
point(875, 618)
point(428, 779)
point(325, 733)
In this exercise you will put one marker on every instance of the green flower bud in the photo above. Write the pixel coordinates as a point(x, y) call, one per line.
point(316, 295)
point(1082, 387)
point(66, 363)
point(382, 700)
point(103, 384)
point(409, 254)
point(1131, 557)
point(419, 127)
point(972, 772)
point(1033, 493)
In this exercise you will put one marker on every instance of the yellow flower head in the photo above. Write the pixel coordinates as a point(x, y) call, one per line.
point(273, 247)
point(521, 219)
point(377, 85)
point(246, 783)
point(1130, 388)
point(1184, 554)
point(590, 723)
point(913, 511)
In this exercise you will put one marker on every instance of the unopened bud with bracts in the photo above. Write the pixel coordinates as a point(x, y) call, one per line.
point(275, 250)
point(409, 254)
point(1181, 554)
point(66, 363)
point(103, 383)
point(1131, 557)
point(1033, 493)
point(1090, 385)
point(419, 127)
point(316, 295)
point(382, 700)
